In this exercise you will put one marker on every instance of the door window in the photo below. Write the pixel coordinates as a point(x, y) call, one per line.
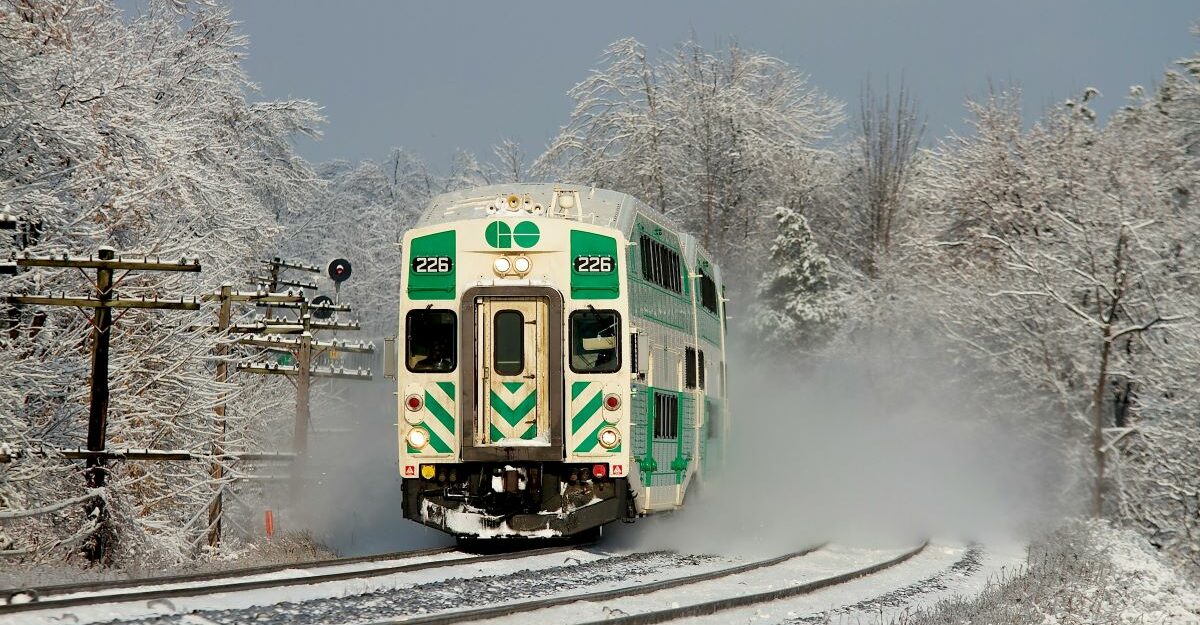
point(508, 350)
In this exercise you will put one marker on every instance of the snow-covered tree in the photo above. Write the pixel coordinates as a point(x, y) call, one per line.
point(136, 134)
point(705, 137)
point(360, 215)
point(797, 309)
point(1063, 258)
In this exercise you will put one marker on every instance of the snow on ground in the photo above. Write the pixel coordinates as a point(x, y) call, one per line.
point(1157, 593)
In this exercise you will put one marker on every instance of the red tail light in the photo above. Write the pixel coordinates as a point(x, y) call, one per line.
point(600, 470)
point(612, 402)
point(413, 402)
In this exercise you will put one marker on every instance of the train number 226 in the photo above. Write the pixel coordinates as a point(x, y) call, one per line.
point(593, 264)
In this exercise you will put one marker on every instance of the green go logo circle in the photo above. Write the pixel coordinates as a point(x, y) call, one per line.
point(500, 235)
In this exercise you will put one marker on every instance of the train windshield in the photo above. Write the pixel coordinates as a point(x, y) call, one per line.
point(429, 339)
point(595, 341)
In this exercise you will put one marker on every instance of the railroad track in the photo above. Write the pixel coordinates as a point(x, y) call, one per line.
point(661, 616)
point(67, 595)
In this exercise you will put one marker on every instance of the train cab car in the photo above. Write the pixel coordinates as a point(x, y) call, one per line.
point(561, 362)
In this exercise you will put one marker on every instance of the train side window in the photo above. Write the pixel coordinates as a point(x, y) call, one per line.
point(666, 415)
point(708, 292)
point(508, 347)
point(595, 341)
point(700, 366)
point(430, 337)
point(660, 264)
point(689, 368)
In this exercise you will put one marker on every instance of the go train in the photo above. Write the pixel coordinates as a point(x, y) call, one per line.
point(561, 362)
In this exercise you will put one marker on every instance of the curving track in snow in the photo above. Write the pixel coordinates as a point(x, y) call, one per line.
point(830, 583)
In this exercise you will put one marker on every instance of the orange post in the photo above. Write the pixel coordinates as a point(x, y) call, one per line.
point(269, 523)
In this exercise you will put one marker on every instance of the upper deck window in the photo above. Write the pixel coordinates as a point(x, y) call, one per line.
point(708, 292)
point(660, 264)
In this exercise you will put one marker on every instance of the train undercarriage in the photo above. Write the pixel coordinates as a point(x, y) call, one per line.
point(527, 500)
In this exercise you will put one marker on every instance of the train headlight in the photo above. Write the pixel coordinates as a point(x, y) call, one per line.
point(609, 438)
point(418, 438)
point(522, 264)
point(502, 265)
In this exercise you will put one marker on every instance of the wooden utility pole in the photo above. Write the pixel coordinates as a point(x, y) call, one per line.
point(218, 446)
point(99, 546)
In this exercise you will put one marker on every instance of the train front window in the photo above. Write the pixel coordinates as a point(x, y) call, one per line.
point(429, 341)
point(595, 341)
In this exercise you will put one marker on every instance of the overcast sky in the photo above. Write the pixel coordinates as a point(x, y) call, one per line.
point(437, 76)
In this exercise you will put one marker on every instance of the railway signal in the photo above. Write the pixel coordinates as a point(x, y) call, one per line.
point(103, 302)
point(339, 270)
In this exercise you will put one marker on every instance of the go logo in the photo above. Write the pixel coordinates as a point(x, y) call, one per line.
point(500, 235)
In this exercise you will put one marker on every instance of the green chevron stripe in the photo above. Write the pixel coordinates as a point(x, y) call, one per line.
point(439, 412)
point(495, 434)
point(579, 387)
point(531, 433)
point(587, 412)
point(513, 415)
point(448, 387)
point(513, 387)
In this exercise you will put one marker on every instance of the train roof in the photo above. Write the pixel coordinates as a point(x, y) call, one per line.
point(601, 207)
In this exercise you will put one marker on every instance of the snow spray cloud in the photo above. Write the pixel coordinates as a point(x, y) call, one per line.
point(352, 499)
point(856, 449)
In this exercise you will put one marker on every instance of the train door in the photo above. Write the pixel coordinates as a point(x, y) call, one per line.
point(513, 335)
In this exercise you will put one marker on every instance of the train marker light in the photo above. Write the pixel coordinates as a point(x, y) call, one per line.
point(418, 438)
point(502, 265)
point(427, 471)
point(609, 438)
point(612, 401)
point(413, 402)
point(522, 264)
point(599, 471)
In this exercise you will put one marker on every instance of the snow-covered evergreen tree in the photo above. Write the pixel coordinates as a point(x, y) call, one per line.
point(797, 308)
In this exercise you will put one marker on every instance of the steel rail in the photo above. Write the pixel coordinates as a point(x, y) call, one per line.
point(708, 608)
point(183, 578)
point(478, 614)
point(189, 591)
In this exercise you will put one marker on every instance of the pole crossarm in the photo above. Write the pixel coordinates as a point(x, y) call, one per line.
point(80, 453)
point(92, 302)
point(334, 325)
point(282, 282)
point(266, 328)
point(289, 264)
point(288, 343)
point(302, 305)
point(316, 372)
point(146, 263)
point(265, 297)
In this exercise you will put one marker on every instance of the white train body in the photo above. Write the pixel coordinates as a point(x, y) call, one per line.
point(561, 362)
